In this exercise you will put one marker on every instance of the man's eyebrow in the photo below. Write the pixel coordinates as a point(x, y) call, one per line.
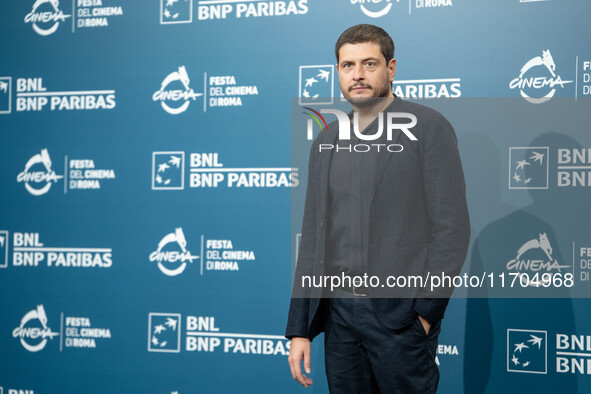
point(363, 60)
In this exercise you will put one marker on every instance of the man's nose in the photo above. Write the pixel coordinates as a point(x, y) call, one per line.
point(358, 73)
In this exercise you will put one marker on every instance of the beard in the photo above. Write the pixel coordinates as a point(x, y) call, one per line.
point(380, 92)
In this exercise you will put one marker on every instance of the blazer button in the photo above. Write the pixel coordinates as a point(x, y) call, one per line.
point(322, 223)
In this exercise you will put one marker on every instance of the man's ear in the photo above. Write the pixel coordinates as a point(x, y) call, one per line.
point(392, 69)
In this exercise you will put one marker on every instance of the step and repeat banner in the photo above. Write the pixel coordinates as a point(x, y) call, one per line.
point(147, 242)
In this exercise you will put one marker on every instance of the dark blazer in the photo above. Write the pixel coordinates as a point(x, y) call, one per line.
point(418, 221)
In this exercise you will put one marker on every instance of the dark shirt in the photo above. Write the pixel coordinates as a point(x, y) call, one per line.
point(349, 188)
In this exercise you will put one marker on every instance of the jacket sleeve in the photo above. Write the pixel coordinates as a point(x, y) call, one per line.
point(445, 198)
point(297, 323)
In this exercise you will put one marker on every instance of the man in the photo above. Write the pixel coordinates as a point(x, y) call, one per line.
point(390, 212)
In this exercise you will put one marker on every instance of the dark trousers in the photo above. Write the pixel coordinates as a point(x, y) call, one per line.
point(364, 356)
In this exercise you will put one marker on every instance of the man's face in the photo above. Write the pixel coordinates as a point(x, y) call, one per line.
point(364, 75)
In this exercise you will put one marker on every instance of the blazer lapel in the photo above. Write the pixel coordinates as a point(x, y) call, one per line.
point(383, 158)
point(325, 158)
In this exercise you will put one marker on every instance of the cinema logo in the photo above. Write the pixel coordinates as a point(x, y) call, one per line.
point(529, 167)
point(428, 88)
point(34, 332)
point(207, 171)
point(46, 16)
point(405, 121)
point(38, 175)
point(535, 256)
point(32, 95)
point(379, 8)
point(29, 251)
point(175, 94)
point(374, 8)
point(172, 99)
point(538, 80)
point(202, 334)
point(528, 351)
point(173, 256)
point(172, 251)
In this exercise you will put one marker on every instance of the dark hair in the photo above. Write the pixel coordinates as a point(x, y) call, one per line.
point(367, 33)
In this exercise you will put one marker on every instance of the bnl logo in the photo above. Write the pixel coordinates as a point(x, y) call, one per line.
point(168, 170)
point(15, 391)
point(176, 11)
point(164, 332)
point(528, 167)
point(3, 250)
point(527, 351)
point(316, 85)
point(5, 95)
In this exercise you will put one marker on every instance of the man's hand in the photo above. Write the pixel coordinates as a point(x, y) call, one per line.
point(424, 322)
point(299, 350)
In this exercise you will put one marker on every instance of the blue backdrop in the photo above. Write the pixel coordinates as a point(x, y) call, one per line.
point(146, 231)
